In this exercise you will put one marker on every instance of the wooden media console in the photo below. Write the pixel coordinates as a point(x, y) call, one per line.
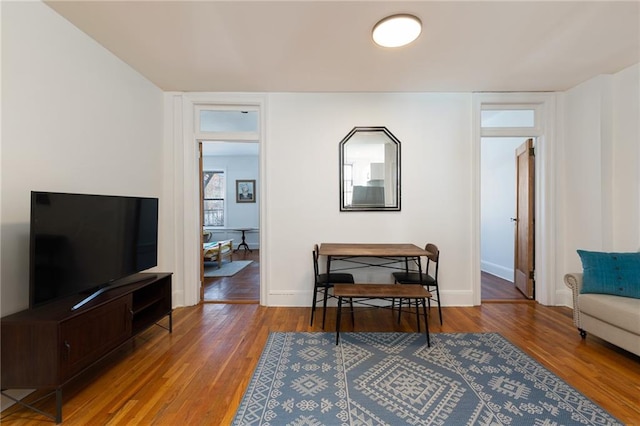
point(46, 347)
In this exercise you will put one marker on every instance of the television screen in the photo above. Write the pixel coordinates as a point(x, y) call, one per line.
point(80, 243)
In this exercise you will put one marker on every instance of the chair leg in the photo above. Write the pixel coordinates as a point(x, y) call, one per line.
point(399, 309)
point(417, 314)
point(313, 304)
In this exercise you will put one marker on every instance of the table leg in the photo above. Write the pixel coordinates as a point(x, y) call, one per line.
point(338, 319)
point(243, 244)
point(58, 405)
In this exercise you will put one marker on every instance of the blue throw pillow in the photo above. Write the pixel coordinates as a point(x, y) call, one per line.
point(611, 273)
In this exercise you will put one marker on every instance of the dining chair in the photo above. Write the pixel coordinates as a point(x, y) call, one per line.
point(429, 277)
point(323, 282)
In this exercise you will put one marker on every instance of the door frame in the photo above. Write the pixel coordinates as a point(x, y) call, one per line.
point(507, 147)
point(189, 180)
point(544, 105)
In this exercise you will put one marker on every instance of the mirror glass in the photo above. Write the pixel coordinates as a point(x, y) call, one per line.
point(370, 170)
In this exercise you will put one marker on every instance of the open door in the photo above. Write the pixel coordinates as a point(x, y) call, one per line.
point(525, 220)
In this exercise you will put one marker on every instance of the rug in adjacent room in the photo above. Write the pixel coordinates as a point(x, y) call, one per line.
point(394, 378)
point(228, 269)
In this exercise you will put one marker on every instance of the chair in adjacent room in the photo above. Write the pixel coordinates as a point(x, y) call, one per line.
point(323, 282)
point(429, 278)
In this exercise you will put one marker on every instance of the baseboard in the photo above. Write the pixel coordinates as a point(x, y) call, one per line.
point(497, 270)
point(564, 297)
point(296, 298)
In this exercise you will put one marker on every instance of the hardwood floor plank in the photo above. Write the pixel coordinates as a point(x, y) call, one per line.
point(198, 374)
point(243, 287)
point(497, 289)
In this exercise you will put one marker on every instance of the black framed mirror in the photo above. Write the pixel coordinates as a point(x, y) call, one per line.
point(370, 170)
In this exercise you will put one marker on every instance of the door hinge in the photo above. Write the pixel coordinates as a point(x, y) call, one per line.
point(532, 152)
point(532, 275)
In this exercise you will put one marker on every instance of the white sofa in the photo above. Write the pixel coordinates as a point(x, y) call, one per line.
point(615, 319)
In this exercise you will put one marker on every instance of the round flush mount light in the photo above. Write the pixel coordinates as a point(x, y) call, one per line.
point(397, 30)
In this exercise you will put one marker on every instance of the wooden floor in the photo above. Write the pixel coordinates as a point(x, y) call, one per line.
point(497, 289)
point(243, 287)
point(197, 375)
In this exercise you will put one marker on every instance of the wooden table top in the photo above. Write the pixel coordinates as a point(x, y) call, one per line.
point(380, 290)
point(371, 249)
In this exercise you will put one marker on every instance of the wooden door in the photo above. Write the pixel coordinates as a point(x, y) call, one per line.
point(201, 177)
point(525, 220)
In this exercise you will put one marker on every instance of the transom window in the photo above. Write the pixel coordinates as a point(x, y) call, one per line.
point(227, 120)
point(508, 118)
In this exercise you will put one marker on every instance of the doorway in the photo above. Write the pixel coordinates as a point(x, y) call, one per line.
point(498, 225)
point(230, 269)
point(507, 200)
point(228, 143)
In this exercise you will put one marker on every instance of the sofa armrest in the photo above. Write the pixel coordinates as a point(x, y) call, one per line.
point(574, 282)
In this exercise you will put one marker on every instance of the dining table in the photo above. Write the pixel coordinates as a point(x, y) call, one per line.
point(357, 253)
point(362, 254)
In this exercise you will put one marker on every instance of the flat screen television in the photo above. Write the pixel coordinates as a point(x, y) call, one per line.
point(85, 244)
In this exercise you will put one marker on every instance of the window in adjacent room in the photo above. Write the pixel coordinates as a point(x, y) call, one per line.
point(214, 198)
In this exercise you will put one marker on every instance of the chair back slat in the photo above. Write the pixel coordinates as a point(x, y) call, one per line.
point(432, 257)
point(316, 268)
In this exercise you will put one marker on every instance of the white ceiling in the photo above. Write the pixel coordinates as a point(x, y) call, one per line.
point(325, 46)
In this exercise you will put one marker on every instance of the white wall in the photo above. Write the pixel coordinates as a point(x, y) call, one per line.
point(303, 134)
point(300, 153)
point(238, 215)
point(586, 174)
point(300, 196)
point(600, 186)
point(626, 159)
point(74, 119)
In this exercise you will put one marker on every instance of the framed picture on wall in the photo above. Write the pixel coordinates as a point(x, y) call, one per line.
point(245, 191)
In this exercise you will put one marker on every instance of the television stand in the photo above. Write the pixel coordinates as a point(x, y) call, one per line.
point(47, 347)
point(111, 286)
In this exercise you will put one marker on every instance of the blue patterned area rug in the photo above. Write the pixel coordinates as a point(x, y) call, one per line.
point(394, 378)
point(228, 269)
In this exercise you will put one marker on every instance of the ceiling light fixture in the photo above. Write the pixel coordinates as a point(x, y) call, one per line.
point(397, 30)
